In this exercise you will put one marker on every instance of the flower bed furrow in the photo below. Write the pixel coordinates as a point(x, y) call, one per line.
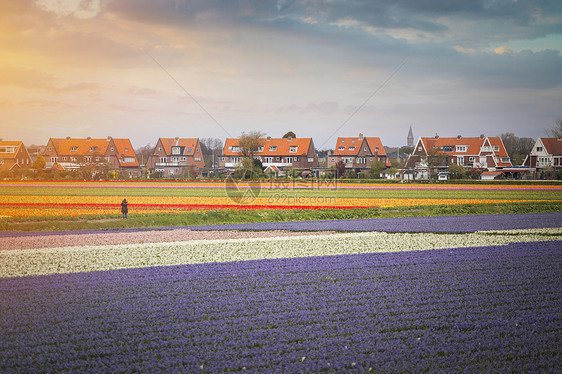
point(491, 307)
point(25, 262)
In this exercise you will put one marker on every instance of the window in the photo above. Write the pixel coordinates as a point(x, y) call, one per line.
point(341, 148)
point(461, 148)
point(222, 158)
point(496, 148)
point(160, 149)
point(296, 159)
point(93, 148)
point(311, 159)
point(333, 159)
point(98, 158)
point(197, 158)
point(505, 160)
point(352, 148)
point(175, 159)
point(184, 158)
point(50, 148)
point(1, 162)
point(293, 149)
point(260, 149)
point(447, 148)
point(471, 159)
point(539, 149)
point(272, 148)
point(163, 159)
point(53, 159)
point(278, 158)
point(74, 148)
point(112, 149)
point(289, 160)
point(64, 158)
point(365, 149)
point(129, 159)
point(189, 150)
point(420, 148)
point(176, 150)
point(268, 160)
point(460, 161)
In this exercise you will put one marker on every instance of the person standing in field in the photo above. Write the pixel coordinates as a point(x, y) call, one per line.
point(124, 208)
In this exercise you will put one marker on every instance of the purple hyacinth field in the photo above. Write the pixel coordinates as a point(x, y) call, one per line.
point(495, 308)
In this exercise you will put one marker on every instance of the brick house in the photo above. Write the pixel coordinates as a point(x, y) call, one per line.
point(14, 155)
point(176, 156)
point(547, 152)
point(471, 152)
point(108, 153)
point(358, 153)
point(278, 152)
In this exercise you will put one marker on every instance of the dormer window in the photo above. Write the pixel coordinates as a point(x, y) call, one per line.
point(93, 148)
point(539, 149)
point(74, 148)
point(272, 148)
point(176, 150)
point(341, 148)
point(448, 148)
point(293, 149)
point(496, 148)
point(260, 149)
point(461, 148)
point(352, 148)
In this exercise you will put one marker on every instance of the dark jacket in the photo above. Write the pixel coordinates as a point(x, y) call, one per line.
point(124, 208)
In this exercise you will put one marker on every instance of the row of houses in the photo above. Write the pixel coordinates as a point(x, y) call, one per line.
point(173, 157)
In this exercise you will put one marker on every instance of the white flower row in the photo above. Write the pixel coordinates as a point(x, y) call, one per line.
point(17, 263)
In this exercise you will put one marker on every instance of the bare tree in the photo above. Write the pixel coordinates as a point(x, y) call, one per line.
point(556, 130)
point(211, 149)
point(250, 143)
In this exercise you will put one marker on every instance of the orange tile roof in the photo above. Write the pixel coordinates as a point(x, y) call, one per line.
point(373, 144)
point(352, 146)
point(473, 144)
point(83, 146)
point(125, 149)
point(348, 146)
point(553, 145)
point(7, 143)
point(189, 145)
point(496, 141)
point(282, 146)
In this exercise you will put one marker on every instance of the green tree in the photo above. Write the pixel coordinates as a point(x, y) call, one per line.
point(456, 171)
point(376, 169)
point(39, 163)
point(290, 134)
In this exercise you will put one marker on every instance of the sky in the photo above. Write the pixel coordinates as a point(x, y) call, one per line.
point(144, 69)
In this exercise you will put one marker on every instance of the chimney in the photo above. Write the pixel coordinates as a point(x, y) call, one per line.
point(436, 136)
point(290, 138)
point(68, 138)
point(481, 136)
point(360, 136)
point(109, 138)
point(89, 138)
point(268, 138)
point(459, 137)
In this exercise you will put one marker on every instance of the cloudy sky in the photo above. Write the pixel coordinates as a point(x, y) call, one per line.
point(145, 69)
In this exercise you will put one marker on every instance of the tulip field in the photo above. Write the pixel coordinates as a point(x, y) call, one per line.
point(71, 199)
point(469, 293)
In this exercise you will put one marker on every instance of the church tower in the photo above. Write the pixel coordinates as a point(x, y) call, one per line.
point(410, 138)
